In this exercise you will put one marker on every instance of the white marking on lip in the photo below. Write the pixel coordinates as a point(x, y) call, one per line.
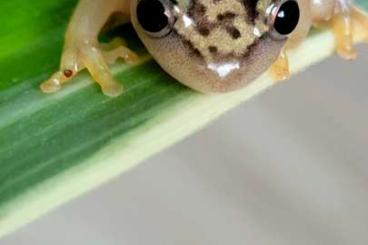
point(224, 69)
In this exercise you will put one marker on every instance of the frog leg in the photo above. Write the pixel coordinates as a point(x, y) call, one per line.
point(280, 70)
point(347, 23)
point(97, 66)
point(96, 61)
point(95, 58)
point(343, 29)
point(361, 22)
point(82, 49)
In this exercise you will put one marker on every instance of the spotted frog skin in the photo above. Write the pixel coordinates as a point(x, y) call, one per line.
point(212, 46)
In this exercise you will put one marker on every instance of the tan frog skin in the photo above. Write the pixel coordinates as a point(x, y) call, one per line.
point(212, 46)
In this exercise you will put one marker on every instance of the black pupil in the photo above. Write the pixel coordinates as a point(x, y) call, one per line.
point(151, 15)
point(287, 18)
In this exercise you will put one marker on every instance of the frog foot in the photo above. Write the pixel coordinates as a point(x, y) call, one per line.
point(347, 28)
point(343, 30)
point(95, 58)
point(360, 19)
point(280, 69)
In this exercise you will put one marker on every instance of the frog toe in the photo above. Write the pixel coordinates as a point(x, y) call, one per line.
point(361, 24)
point(121, 52)
point(348, 28)
point(347, 52)
point(280, 70)
point(53, 84)
point(113, 89)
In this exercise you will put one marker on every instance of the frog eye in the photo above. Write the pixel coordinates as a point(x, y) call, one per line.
point(283, 18)
point(155, 17)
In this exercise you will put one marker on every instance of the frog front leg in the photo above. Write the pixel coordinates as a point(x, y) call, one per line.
point(82, 49)
point(346, 21)
point(346, 26)
point(280, 70)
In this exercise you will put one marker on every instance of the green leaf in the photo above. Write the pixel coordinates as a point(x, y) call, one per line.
point(55, 147)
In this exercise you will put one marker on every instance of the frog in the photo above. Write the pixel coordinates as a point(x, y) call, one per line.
point(211, 46)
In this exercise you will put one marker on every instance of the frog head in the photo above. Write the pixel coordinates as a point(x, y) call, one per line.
point(215, 45)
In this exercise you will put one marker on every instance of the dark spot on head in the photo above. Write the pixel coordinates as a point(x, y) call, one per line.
point(192, 49)
point(233, 32)
point(197, 53)
point(213, 49)
point(196, 10)
point(204, 31)
point(226, 16)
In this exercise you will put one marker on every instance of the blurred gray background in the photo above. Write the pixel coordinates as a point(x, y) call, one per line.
point(289, 167)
